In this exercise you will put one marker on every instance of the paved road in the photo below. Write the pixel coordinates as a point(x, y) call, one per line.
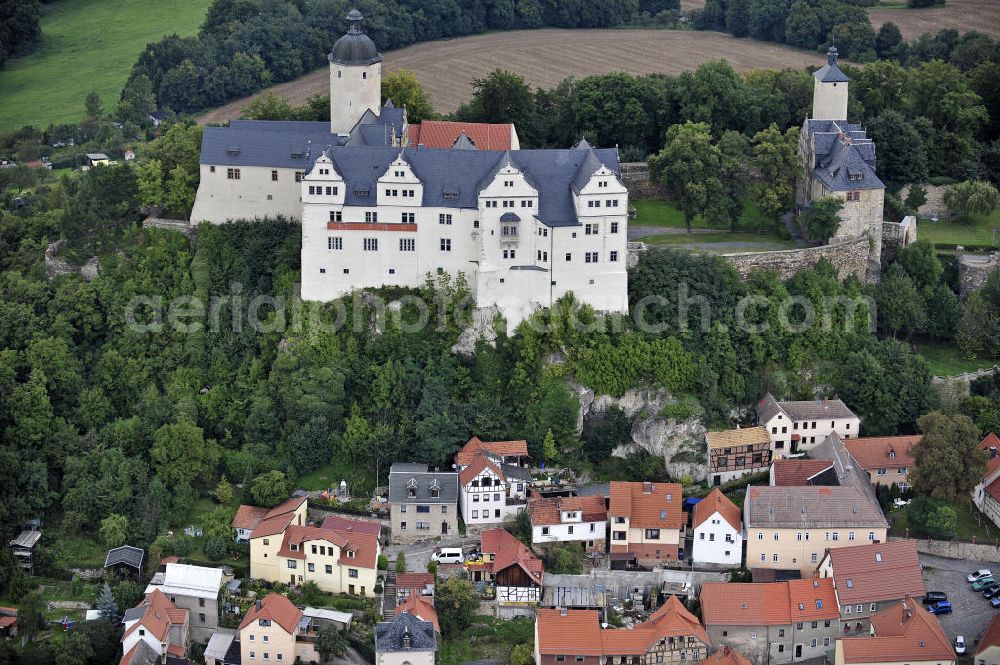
point(972, 612)
point(418, 554)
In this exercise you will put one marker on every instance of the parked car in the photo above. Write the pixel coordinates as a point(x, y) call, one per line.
point(944, 607)
point(935, 597)
point(982, 583)
point(995, 601)
point(991, 591)
point(960, 645)
point(448, 555)
point(979, 574)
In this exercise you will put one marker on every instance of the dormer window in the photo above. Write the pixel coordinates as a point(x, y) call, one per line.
point(892, 454)
point(232, 151)
point(350, 554)
point(264, 623)
point(412, 492)
point(294, 547)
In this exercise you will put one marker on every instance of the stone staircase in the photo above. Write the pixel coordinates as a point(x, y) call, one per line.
point(389, 596)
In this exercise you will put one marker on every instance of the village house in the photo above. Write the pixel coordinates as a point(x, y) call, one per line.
point(886, 459)
point(726, 656)
point(902, 634)
point(155, 626)
point(772, 623)
point(796, 427)
point(422, 503)
point(872, 578)
point(406, 640)
point(671, 635)
point(801, 472)
point(988, 650)
point(647, 521)
point(569, 519)
point(271, 633)
point(248, 518)
point(718, 531)
point(986, 495)
point(493, 484)
point(421, 607)
point(196, 589)
point(284, 549)
point(515, 572)
point(790, 528)
point(737, 452)
point(414, 584)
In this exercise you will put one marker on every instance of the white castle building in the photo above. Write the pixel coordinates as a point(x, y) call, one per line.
point(525, 227)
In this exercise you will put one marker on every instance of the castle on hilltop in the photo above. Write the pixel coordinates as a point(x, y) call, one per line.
point(838, 159)
point(385, 203)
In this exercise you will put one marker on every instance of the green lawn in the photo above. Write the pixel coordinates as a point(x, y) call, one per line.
point(659, 212)
point(946, 359)
point(971, 523)
point(983, 230)
point(87, 45)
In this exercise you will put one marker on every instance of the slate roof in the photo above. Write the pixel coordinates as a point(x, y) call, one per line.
point(389, 636)
point(126, 555)
point(815, 409)
point(648, 505)
point(401, 476)
point(810, 508)
point(355, 48)
point(140, 654)
point(844, 156)
point(905, 632)
point(768, 604)
point(877, 572)
point(830, 72)
point(849, 472)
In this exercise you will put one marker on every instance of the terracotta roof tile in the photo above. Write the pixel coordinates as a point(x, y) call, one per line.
point(648, 505)
point(548, 511)
point(877, 572)
point(420, 608)
point(575, 633)
point(443, 134)
point(992, 463)
point(716, 501)
point(158, 616)
point(475, 447)
point(904, 632)
point(872, 452)
point(991, 638)
point(726, 656)
point(346, 524)
point(771, 603)
point(414, 581)
point(812, 599)
point(477, 466)
point(6, 622)
point(277, 608)
point(746, 436)
point(277, 518)
point(796, 472)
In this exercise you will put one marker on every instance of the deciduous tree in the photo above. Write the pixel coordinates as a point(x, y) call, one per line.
point(688, 168)
point(456, 603)
point(403, 88)
point(947, 460)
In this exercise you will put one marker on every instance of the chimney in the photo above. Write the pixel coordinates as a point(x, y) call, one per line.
point(258, 605)
point(563, 612)
point(407, 640)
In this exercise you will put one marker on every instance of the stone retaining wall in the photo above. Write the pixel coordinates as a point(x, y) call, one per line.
point(635, 176)
point(951, 549)
point(934, 207)
point(170, 224)
point(849, 256)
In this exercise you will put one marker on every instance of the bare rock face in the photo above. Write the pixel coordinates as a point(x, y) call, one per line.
point(480, 329)
point(91, 269)
point(680, 443)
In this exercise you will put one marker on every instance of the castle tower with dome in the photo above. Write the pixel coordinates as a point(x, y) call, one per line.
point(355, 76)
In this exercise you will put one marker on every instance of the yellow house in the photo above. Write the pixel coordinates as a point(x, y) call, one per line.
point(284, 549)
point(903, 634)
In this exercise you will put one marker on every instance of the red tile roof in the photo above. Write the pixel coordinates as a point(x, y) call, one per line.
point(904, 632)
point(158, 616)
point(414, 581)
point(475, 447)
point(276, 519)
point(7, 622)
point(992, 465)
point(877, 572)
point(338, 523)
point(577, 632)
point(364, 545)
point(648, 505)
point(276, 608)
point(420, 608)
point(443, 134)
point(477, 466)
point(716, 502)
point(249, 517)
point(991, 638)
point(549, 511)
point(771, 603)
point(726, 656)
point(796, 472)
point(872, 452)
point(509, 551)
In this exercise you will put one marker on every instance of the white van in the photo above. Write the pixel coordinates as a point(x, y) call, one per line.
point(448, 555)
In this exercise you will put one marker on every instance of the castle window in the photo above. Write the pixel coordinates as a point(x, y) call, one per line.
point(336, 216)
point(445, 244)
point(364, 75)
point(407, 244)
point(614, 227)
point(569, 256)
point(334, 243)
point(211, 169)
point(233, 174)
point(409, 218)
point(602, 183)
point(274, 176)
point(370, 244)
point(331, 191)
point(613, 257)
point(590, 229)
point(590, 257)
point(444, 218)
point(371, 216)
point(298, 176)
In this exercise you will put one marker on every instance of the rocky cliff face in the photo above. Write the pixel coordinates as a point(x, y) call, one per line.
point(680, 443)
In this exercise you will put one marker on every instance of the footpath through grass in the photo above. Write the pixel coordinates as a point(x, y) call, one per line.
point(87, 46)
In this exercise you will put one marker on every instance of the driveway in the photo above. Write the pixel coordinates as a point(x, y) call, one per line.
point(972, 613)
point(418, 554)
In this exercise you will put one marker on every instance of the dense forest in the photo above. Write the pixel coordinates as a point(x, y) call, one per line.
point(19, 27)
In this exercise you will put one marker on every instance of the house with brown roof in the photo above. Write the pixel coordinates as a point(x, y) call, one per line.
point(493, 483)
point(671, 635)
point(283, 548)
point(797, 426)
point(872, 578)
point(718, 531)
point(986, 494)
point(271, 632)
point(772, 623)
point(737, 452)
point(904, 633)
point(647, 521)
point(248, 518)
point(726, 656)
point(799, 472)
point(569, 519)
point(886, 459)
point(988, 650)
point(156, 625)
point(414, 584)
point(791, 528)
point(421, 607)
point(514, 571)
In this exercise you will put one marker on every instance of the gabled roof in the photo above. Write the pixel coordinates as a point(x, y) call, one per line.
point(745, 436)
point(140, 654)
point(404, 476)
point(810, 507)
point(549, 511)
point(815, 409)
point(905, 632)
point(278, 518)
point(877, 572)
point(847, 470)
point(421, 608)
point(482, 463)
point(991, 638)
point(873, 452)
point(277, 609)
point(798, 472)
point(249, 517)
point(415, 582)
point(769, 603)
point(726, 656)
point(346, 524)
point(648, 505)
point(158, 614)
point(446, 134)
point(590, 165)
point(404, 633)
point(125, 555)
point(716, 502)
